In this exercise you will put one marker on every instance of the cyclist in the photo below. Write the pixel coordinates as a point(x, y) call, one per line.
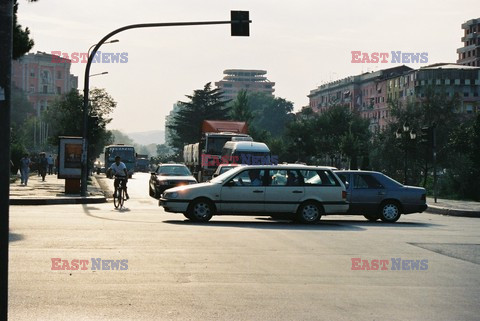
point(119, 170)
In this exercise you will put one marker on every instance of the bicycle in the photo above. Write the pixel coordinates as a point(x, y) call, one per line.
point(119, 198)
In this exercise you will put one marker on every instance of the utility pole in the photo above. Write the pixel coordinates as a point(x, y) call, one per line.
point(240, 26)
point(6, 49)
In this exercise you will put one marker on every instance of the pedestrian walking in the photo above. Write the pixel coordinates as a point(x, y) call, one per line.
point(50, 164)
point(24, 169)
point(42, 166)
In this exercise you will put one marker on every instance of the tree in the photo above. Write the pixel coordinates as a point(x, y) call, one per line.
point(271, 114)
point(21, 38)
point(204, 104)
point(65, 118)
point(240, 110)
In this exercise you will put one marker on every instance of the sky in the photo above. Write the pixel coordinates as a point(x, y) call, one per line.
point(301, 44)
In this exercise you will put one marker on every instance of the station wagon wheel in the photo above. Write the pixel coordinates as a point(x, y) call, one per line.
point(371, 218)
point(309, 213)
point(200, 210)
point(390, 211)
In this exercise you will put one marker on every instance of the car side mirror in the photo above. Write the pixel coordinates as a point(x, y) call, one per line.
point(230, 183)
point(215, 175)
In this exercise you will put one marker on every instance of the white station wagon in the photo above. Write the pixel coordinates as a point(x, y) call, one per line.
point(303, 193)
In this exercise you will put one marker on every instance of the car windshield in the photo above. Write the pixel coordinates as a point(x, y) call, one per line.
point(173, 171)
point(226, 169)
point(391, 180)
point(222, 177)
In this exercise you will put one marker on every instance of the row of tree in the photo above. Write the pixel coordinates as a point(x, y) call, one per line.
point(341, 137)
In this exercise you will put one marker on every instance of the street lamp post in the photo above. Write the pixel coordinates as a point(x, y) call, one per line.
point(99, 74)
point(407, 135)
point(239, 22)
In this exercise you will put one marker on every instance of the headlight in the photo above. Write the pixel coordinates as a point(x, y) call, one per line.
point(171, 195)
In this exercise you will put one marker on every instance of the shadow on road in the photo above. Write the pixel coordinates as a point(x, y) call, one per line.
point(271, 225)
point(12, 237)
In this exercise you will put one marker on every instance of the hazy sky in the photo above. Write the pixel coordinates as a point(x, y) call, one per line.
point(301, 44)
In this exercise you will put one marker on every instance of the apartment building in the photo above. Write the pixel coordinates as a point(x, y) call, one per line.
point(42, 79)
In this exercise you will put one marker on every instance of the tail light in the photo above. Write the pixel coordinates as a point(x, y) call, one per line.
point(344, 194)
point(424, 197)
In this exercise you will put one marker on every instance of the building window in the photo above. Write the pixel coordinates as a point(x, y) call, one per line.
point(59, 90)
point(465, 94)
point(59, 75)
point(467, 81)
point(457, 81)
point(32, 73)
point(45, 89)
point(447, 81)
point(32, 89)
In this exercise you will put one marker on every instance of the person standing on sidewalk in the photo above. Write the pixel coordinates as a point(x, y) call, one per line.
point(24, 168)
point(42, 166)
point(50, 164)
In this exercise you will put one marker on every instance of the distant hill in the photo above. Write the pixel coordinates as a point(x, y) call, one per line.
point(148, 137)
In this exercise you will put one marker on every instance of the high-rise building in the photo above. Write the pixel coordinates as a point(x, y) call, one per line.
point(236, 80)
point(42, 79)
point(469, 54)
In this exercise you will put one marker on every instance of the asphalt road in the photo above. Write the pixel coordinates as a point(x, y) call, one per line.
point(237, 268)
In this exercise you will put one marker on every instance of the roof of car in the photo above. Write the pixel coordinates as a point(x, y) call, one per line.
point(288, 166)
point(172, 165)
point(355, 171)
point(247, 146)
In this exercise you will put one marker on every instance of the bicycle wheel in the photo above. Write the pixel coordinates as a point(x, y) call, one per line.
point(116, 202)
point(121, 197)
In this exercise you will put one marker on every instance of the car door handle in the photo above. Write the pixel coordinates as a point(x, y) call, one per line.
point(297, 192)
point(257, 191)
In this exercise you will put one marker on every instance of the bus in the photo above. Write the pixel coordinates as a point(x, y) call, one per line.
point(126, 152)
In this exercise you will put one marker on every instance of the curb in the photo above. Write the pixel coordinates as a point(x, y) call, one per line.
point(451, 212)
point(97, 199)
point(56, 201)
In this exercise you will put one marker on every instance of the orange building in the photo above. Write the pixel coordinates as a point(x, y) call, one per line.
point(42, 79)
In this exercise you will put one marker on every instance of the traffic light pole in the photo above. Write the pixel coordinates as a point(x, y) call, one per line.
point(6, 50)
point(240, 27)
point(434, 161)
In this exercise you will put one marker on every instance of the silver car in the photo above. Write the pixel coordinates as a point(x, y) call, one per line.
point(303, 193)
point(377, 196)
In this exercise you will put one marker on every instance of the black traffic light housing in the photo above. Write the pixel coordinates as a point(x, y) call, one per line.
point(426, 136)
point(240, 23)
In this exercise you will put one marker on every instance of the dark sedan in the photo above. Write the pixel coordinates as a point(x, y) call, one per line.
point(377, 196)
point(167, 176)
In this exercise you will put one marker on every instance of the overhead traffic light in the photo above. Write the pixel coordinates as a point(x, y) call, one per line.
point(240, 23)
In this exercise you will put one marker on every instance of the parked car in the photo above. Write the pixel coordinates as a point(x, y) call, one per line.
point(377, 196)
point(167, 176)
point(262, 190)
point(222, 168)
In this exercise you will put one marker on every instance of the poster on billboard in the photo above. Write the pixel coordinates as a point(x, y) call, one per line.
point(70, 157)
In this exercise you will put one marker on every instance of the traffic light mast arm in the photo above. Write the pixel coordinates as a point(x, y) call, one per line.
point(240, 27)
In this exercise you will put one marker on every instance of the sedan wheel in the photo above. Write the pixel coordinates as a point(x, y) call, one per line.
point(201, 210)
point(389, 212)
point(309, 213)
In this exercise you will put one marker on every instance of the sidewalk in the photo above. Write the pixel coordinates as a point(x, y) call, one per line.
point(453, 208)
point(51, 192)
